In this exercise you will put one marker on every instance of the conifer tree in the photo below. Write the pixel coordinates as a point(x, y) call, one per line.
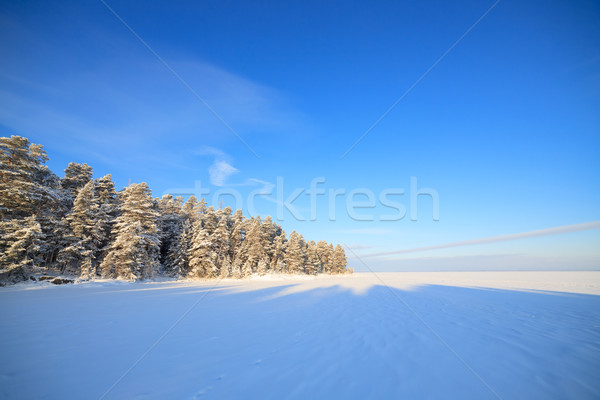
point(253, 245)
point(279, 264)
point(107, 212)
point(263, 266)
point(178, 254)
point(28, 188)
point(237, 239)
point(76, 176)
point(312, 259)
point(210, 220)
point(221, 237)
point(225, 267)
point(170, 227)
point(134, 253)
point(84, 233)
point(296, 254)
point(20, 241)
point(236, 269)
point(201, 255)
point(339, 260)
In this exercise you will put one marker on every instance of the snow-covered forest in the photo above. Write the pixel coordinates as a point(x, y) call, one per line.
point(83, 227)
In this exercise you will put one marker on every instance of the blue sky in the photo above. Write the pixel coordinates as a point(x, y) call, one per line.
point(505, 128)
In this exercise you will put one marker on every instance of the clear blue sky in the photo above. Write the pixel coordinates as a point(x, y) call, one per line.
point(506, 128)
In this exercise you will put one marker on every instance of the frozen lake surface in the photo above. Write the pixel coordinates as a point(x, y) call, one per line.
point(461, 335)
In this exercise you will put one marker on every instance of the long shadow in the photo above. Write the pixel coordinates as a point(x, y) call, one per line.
point(325, 343)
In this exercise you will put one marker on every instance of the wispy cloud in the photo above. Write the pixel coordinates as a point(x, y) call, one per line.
point(110, 110)
point(210, 151)
point(357, 246)
point(367, 231)
point(515, 236)
point(220, 171)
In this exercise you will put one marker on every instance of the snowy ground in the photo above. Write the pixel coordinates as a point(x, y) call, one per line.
point(509, 335)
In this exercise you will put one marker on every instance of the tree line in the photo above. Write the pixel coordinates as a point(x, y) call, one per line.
point(83, 227)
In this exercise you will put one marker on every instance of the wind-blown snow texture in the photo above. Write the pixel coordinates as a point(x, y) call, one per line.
point(334, 337)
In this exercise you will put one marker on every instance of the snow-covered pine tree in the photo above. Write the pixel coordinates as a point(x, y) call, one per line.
point(134, 253)
point(54, 205)
point(270, 231)
point(339, 260)
point(210, 219)
point(322, 250)
point(170, 223)
point(76, 176)
point(236, 240)
point(253, 245)
point(202, 263)
point(179, 252)
point(28, 188)
point(20, 241)
point(279, 265)
point(21, 191)
point(312, 259)
point(84, 233)
point(107, 213)
point(247, 269)
point(236, 269)
point(296, 254)
point(220, 238)
point(327, 256)
point(263, 266)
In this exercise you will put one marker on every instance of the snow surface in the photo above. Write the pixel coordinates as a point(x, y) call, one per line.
point(472, 335)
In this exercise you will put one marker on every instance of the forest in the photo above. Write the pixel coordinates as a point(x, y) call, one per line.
point(82, 227)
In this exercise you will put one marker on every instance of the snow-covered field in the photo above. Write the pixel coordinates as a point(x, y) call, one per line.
point(475, 335)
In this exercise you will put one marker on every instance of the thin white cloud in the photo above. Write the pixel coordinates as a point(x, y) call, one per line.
point(357, 246)
point(220, 171)
point(210, 151)
point(368, 231)
point(503, 238)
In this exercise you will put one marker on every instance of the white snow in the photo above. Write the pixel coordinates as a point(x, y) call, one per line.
point(471, 335)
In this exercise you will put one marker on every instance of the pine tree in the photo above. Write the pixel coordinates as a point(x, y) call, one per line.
point(312, 259)
point(28, 188)
point(247, 269)
point(201, 255)
point(85, 233)
point(107, 213)
point(226, 267)
point(296, 254)
point(236, 269)
point(269, 233)
point(236, 240)
point(20, 241)
point(134, 253)
point(76, 176)
point(263, 266)
point(339, 260)
point(179, 252)
point(209, 220)
point(170, 223)
point(221, 237)
point(279, 264)
point(253, 244)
